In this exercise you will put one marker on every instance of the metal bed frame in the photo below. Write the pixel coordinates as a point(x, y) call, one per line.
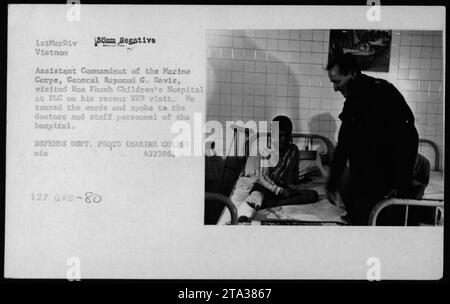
point(220, 198)
point(437, 154)
point(327, 157)
point(437, 204)
point(432, 203)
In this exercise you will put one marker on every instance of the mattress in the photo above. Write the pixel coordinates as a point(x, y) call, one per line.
point(321, 212)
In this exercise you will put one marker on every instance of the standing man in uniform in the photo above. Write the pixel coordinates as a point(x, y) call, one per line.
point(377, 139)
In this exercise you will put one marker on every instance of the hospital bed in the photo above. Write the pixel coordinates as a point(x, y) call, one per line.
point(316, 151)
point(323, 212)
point(433, 198)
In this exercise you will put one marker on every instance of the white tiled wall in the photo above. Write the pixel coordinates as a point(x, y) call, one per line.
point(258, 74)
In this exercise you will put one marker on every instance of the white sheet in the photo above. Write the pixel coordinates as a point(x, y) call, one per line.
point(321, 211)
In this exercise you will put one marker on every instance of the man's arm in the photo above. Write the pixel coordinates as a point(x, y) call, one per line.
point(339, 160)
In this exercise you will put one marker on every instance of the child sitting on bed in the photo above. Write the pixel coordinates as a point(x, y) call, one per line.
point(272, 184)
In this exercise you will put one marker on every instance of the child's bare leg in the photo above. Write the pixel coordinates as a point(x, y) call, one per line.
point(252, 203)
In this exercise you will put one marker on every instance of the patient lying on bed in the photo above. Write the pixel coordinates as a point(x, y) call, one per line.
point(271, 187)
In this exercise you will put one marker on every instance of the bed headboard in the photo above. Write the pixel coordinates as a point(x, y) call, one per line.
point(436, 152)
point(326, 156)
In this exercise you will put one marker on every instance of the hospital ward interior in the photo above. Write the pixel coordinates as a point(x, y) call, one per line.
point(256, 76)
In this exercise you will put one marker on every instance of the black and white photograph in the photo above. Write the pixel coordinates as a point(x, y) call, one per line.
point(360, 115)
point(147, 142)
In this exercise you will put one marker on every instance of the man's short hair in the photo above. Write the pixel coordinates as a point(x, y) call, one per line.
point(284, 124)
point(346, 62)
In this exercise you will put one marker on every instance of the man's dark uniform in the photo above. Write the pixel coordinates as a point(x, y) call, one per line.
point(378, 138)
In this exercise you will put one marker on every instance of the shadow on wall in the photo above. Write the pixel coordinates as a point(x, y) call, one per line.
point(324, 124)
point(249, 82)
point(245, 82)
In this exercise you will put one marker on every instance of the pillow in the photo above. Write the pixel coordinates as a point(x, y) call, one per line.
point(311, 168)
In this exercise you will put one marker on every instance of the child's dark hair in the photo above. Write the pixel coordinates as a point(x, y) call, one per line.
point(284, 124)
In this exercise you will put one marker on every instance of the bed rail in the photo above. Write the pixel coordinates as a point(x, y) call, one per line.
point(436, 152)
point(249, 140)
point(437, 204)
point(328, 143)
point(224, 201)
